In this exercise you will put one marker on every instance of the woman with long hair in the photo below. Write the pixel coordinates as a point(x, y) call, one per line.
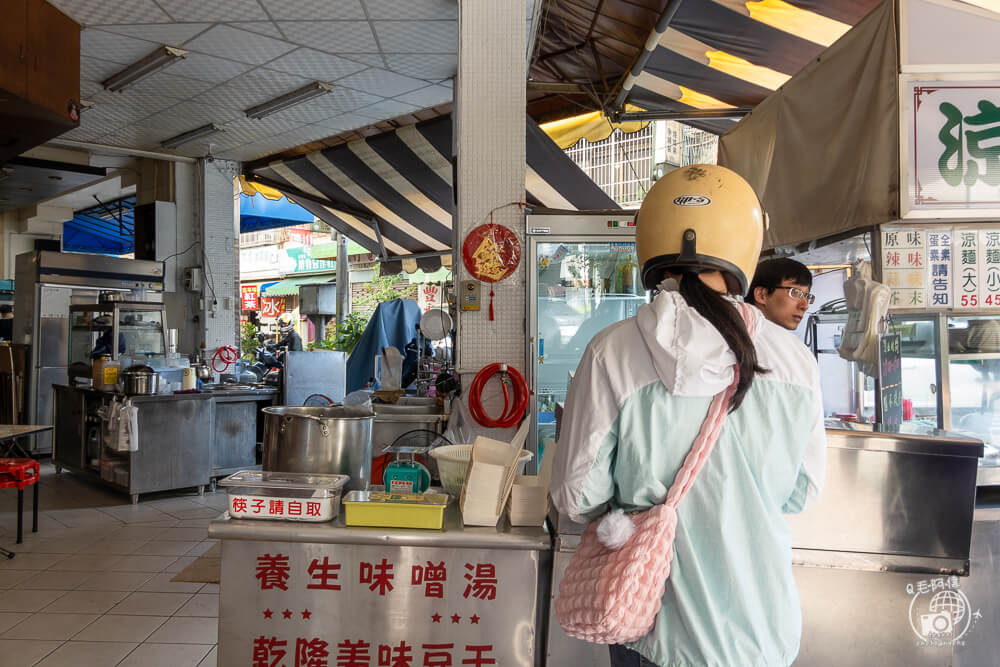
point(638, 400)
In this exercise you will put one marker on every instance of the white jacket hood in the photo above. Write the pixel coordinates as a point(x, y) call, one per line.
point(690, 355)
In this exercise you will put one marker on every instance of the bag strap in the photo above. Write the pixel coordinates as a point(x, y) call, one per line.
point(709, 433)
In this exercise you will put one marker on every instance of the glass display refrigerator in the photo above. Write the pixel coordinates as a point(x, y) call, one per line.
point(950, 376)
point(583, 276)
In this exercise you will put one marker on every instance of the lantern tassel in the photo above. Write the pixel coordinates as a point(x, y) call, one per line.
point(491, 302)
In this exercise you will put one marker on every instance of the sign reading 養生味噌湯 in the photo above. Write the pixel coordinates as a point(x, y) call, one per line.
point(951, 163)
point(344, 604)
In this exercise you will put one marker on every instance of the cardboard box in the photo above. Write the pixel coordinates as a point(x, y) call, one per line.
point(490, 477)
point(529, 498)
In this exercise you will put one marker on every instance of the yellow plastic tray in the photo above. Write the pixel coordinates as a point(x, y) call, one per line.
point(395, 510)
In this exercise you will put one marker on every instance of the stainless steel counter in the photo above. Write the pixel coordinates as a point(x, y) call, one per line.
point(186, 439)
point(893, 527)
point(440, 597)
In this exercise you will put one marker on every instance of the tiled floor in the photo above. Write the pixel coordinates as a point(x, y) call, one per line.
point(92, 588)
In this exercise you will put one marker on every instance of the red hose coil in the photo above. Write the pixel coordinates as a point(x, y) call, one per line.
point(512, 411)
point(227, 355)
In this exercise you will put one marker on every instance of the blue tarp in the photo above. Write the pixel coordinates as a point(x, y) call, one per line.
point(99, 230)
point(257, 213)
point(393, 323)
point(105, 229)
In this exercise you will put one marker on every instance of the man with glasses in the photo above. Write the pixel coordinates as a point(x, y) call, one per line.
point(780, 288)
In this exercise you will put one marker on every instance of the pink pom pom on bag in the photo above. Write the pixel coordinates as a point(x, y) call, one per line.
point(612, 596)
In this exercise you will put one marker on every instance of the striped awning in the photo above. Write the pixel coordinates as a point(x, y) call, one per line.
point(291, 286)
point(392, 193)
point(731, 54)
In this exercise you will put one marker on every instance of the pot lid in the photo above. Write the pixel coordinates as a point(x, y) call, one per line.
point(140, 369)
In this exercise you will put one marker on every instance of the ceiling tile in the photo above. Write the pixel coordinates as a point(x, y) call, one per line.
point(171, 85)
point(260, 27)
point(382, 82)
point(247, 130)
point(427, 97)
point(108, 117)
point(116, 48)
point(252, 88)
point(186, 116)
point(88, 89)
point(387, 109)
point(92, 12)
point(344, 122)
point(370, 59)
point(141, 103)
point(318, 109)
point(240, 45)
point(171, 34)
point(351, 99)
point(315, 10)
point(96, 69)
point(84, 132)
point(317, 65)
point(332, 36)
point(412, 9)
point(214, 10)
point(430, 66)
point(417, 36)
point(208, 68)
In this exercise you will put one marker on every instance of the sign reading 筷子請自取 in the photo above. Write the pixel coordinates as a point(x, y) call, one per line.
point(952, 165)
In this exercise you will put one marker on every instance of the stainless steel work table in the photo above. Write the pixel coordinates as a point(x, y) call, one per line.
point(185, 439)
point(468, 593)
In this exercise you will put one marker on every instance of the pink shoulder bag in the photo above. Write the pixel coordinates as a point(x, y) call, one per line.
point(612, 595)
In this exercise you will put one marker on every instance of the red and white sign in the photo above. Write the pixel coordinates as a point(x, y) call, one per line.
point(429, 296)
point(272, 306)
point(249, 295)
point(347, 605)
point(290, 509)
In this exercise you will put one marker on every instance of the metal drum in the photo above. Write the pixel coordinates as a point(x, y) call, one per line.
point(328, 440)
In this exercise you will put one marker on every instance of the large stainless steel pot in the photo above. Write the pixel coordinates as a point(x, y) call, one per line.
point(139, 380)
point(335, 440)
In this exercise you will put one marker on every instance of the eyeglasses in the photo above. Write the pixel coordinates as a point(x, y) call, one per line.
point(797, 294)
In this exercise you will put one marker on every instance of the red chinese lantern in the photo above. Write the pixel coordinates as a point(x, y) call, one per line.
point(491, 253)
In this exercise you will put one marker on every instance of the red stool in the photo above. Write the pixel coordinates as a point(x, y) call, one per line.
point(17, 474)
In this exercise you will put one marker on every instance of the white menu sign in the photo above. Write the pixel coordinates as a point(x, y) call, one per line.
point(952, 162)
point(939, 264)
point(967, 278)
point(904, 266)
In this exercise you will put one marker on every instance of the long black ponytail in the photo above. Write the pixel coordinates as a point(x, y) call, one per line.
point(727, 320)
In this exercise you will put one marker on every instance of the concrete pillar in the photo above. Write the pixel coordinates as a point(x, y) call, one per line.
point(207, 240)
point(489, 132)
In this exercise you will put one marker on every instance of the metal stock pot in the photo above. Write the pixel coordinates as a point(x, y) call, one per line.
point(139, 380)
point(331, 440)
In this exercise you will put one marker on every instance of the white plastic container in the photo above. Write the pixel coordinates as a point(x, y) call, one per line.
point(453, 460)
point(284, 496)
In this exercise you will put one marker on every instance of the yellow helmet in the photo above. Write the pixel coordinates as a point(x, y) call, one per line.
point(702, 216)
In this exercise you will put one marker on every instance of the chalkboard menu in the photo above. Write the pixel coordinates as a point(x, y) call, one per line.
point(890, 376)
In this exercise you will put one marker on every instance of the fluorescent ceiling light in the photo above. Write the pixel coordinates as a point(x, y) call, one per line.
point(192, 135)
point(154, 62)
point(313, 90)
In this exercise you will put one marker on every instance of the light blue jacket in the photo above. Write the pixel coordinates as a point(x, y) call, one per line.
point(635, 406)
